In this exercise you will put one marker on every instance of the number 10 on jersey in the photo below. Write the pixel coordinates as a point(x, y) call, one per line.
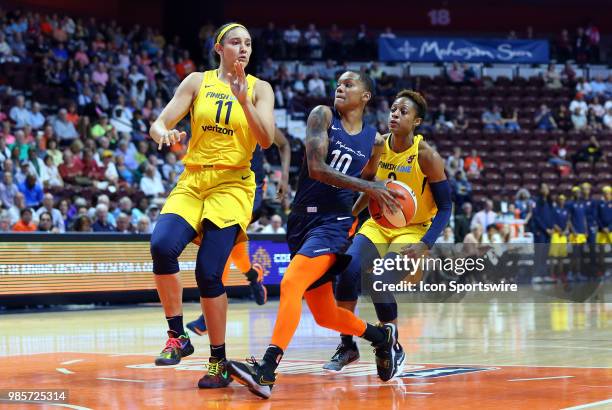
point(340, 162)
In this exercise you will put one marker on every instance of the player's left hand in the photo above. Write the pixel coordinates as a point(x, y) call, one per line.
point(282, 191)
point(238, 83)
point(415, 250)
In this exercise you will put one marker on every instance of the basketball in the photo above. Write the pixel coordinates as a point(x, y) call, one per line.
point(401, 217)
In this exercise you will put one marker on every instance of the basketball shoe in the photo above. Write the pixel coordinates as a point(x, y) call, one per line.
point(256, 377)
point(198, 326)
point(258, 290)
point(177, 347)
point(344, 355)
point(217, 375)
point(390, 356)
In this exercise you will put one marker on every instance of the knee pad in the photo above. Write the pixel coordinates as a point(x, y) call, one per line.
point(349, 281)
point(362, 253)
point(209, 285)
point(214, 251)
point(385, 304)
point(386, 312)
point(170, 237)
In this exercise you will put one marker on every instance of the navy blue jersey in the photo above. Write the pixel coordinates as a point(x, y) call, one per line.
point(561, 216)
point(577, 211)
point(605, 214)
point(543, 215)
point(346, 153)
point(257, 165)
point(591, 211)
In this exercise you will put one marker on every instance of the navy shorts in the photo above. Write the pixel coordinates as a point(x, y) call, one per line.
point(314, 235)
point(257, 203)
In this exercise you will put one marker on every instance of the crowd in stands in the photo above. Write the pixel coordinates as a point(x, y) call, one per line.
point(312, 43)
point(74, 149)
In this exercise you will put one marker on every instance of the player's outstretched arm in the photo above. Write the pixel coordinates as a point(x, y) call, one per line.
point(433, 167)
point(285, 157)
point(162, 130)
point(317, 141)
point(360, 204)
point(431, 163)
point(369, 172)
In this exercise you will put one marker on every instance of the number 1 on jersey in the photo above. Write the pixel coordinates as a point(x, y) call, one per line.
point(228, 104)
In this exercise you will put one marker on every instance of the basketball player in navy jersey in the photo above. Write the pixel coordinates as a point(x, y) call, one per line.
point(579, 228)
point(340, 149)
point(558, 239)
point(604, 236)
point(591, 205)
point(408, 159)
point(240, 253)
point(604, 218)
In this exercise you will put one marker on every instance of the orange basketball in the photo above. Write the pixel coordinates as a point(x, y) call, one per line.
point(401, 217)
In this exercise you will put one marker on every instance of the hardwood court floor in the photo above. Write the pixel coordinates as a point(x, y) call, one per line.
point(460, 356)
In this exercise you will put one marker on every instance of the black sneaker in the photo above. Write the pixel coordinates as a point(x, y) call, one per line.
point(176, 348)
point(390, 356)
point(258, 290)
point(198, 326)
point(344, 356)
point(254, 376)
point(217, 376)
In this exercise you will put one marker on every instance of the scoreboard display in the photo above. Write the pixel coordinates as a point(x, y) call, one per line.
point(35, 264)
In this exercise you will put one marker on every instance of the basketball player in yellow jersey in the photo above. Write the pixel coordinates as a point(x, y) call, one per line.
point(230, 113)
point(409, 159)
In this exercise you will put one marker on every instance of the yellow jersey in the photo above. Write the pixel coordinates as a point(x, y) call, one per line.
point(219, 129)
point(404, 167)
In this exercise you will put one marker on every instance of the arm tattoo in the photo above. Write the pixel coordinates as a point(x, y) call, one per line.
point(316, 135)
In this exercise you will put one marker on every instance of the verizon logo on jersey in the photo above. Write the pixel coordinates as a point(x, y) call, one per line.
point(217, 129)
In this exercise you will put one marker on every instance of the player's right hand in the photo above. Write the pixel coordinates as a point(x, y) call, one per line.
point(238, 83)
point(384, 196)
point(170, 138)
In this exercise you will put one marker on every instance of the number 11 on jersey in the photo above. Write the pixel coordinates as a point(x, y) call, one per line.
point(228, 104)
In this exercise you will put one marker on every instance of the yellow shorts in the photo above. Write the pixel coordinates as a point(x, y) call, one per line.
point(392, 240)
point(223, 196)
point(603, 237)
point(577, 238)
point(558, 246)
